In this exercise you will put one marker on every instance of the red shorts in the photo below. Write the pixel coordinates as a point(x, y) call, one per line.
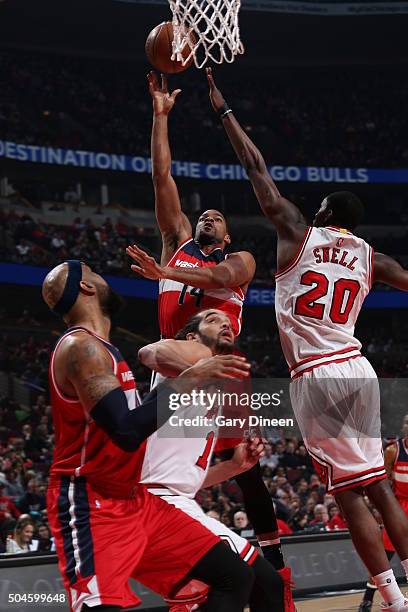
point(388, 545)
point(101, 542)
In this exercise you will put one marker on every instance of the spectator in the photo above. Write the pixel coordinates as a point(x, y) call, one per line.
point(213, 514)
point(33, 500)
point(284, 528)
point(320, 515)
point(336, 520)
point(44, 541)
point(7, 508)
point(269, 460)
point(240, 521)
point(12, 484)
point(22, 537)
point(299, 521)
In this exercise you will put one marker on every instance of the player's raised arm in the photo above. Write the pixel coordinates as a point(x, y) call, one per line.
point(236, 271)
point(388, 271)
point(281, 212)
point(170, 357)
point(173, 223)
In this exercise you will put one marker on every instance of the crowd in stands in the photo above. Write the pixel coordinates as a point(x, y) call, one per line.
point(22, 240)
point(103, 105)
point(26, 445)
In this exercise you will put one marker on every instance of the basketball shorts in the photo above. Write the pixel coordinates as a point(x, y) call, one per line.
point(388, 545)
point(102, 542)
point(337, 407)
point(239, 545)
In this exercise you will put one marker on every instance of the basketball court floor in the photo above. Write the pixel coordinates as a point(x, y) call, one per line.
point(339, 603)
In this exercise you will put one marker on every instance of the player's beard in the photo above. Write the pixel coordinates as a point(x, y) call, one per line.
point(206, 238)
point(218, 345)
point(110, 302)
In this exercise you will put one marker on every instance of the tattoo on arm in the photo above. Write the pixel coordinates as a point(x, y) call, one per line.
point(89, 370)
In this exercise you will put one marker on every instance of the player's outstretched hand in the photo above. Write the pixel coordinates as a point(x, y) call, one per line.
point(219, 366)
point(146, 266)
point(163, 101)
point(248, 453)
point(216, 97)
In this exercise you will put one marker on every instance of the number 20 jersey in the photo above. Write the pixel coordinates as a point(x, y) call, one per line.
point(178, 302)
point(319, 296)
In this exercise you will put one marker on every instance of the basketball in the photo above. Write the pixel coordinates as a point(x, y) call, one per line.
point(159, 49)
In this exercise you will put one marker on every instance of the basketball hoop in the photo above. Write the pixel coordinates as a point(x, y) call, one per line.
point(209, 28)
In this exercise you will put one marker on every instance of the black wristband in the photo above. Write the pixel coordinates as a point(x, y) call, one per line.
point(224, 110)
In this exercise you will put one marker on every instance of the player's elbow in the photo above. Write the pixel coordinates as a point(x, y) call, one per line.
point(160, 176)
point(146, 356)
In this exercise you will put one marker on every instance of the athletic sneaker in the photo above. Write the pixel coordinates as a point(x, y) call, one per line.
point(286, 575)
point(365, 606)
point(401, 607)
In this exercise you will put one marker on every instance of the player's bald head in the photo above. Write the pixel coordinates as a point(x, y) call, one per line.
point(55, 281)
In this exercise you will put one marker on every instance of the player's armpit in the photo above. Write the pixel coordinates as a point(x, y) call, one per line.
point(170, 357)
point(388, 271)
point(88, 368)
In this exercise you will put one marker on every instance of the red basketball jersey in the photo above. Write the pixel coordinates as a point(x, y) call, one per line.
point(400, 470)
point(178, 302)
point(82, 448)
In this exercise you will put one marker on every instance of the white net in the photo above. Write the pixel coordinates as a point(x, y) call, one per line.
point(206, 30)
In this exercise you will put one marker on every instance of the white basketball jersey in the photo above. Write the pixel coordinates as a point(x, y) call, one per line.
point(319, 297)
point(180, 463)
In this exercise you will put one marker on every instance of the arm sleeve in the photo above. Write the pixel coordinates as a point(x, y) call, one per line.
point(129, 428)
point(258, 502)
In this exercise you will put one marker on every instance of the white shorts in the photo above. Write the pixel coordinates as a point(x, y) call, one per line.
point(239, 545)
point(337, 407)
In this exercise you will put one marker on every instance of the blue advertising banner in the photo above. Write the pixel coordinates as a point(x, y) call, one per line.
point(191, 169)
point(18, 274)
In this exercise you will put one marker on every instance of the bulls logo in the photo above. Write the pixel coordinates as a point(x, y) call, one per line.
point(339, 242)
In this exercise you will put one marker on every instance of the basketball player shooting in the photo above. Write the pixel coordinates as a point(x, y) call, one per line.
point(196, 274)
point(324, 274)
point(107, 527)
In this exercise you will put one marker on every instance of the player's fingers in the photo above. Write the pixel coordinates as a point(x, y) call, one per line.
point(234, 363)
point(230, 370)
point(210, 77)
point(228, 358)
point(152, 78)
point(259, 449)
point(140, 253)
point(175, 93)
point(164, 83)
point(138, 249)
point(137, 269)
point(130, 253)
